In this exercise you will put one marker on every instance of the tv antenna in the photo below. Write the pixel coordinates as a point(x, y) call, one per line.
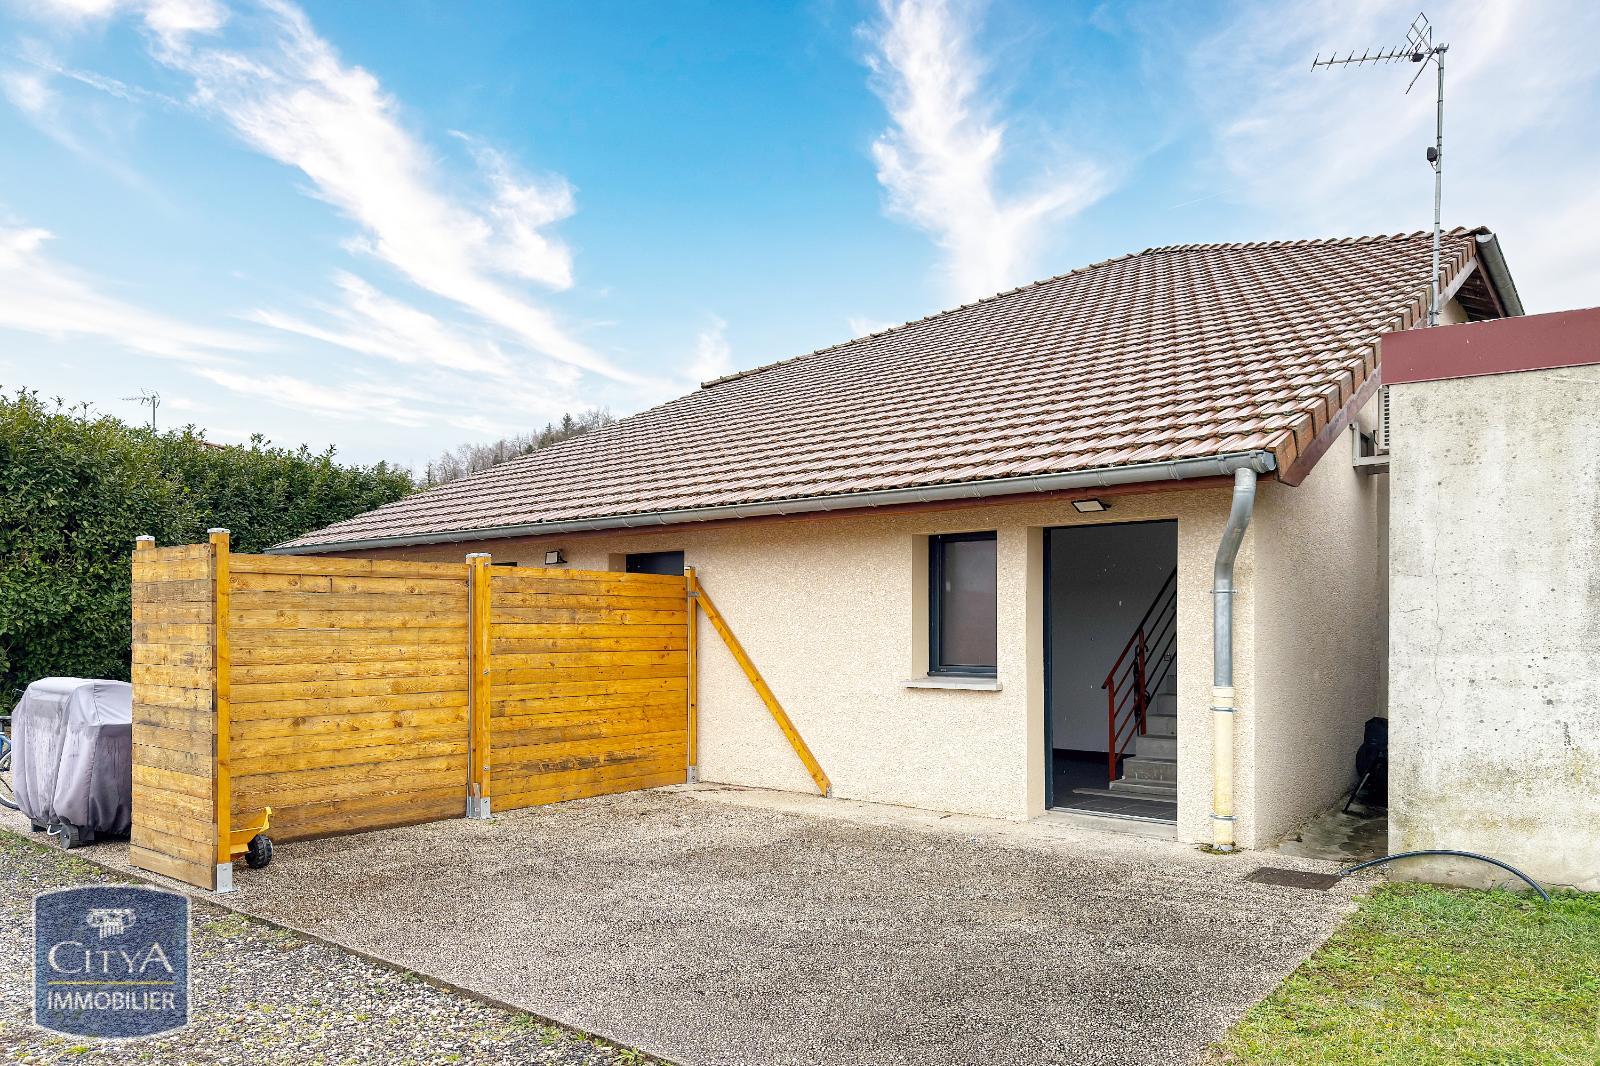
point(1420, 49)
point(148, 398)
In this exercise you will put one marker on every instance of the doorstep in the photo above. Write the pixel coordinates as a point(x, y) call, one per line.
point(1128, 824)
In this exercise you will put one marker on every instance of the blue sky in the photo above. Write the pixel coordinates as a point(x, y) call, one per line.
point(396, 227)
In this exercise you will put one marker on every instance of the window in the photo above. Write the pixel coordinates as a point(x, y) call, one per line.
point(961, 605)
point(670, 563)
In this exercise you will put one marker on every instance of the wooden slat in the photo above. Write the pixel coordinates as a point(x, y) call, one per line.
point(376, 777)
point(348, 601)
point(587, 615)
point(313, 725)
point(192, 763)
point(556, 789)
point(573, 704)
point(255, 750)
point(195, 590)
point(315, 652)
point(351, 637)
point(409, 701)
point(586, 630)
point(587, 645)
point(165, 633)
point(171, 781)
point(324, 566)
point(663, 601)
point(356, 813)
point(396, 618)
point(291, 790)
point(314, 672)
point(242, 582)
point(197, 874)
point(372, 686)
point(193, 657)
point(515, 579)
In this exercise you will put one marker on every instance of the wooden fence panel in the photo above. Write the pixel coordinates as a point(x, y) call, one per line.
point(348, 695)
point(340, 693)
point(588, 689)
point(174, 721)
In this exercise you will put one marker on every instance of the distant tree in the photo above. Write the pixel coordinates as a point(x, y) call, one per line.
point(76, 488)
point(471, 458)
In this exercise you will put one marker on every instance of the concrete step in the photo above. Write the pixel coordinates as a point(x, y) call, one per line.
point(1155, 746)
point(1112, 823)
point(1164, 703)
point(1151, 790)
point(1151, 771)
point(1161, 725)
point(1156, 794)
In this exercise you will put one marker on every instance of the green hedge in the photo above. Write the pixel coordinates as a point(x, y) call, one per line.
point(76, 489)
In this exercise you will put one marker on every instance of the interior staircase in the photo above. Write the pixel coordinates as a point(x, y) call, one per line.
point(1142, 705)
point(1151, 772)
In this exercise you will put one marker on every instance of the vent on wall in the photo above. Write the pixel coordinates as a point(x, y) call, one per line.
point(1380, 436)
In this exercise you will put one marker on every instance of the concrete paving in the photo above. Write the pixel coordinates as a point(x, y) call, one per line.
point(732, 927)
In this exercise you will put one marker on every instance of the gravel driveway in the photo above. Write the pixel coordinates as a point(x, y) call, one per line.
point(264, 995)
point(742, 928)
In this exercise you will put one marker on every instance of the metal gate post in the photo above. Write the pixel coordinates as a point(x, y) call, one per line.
point(478, 664)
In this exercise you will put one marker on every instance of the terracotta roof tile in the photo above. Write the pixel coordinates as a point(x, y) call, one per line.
point(1178, 352)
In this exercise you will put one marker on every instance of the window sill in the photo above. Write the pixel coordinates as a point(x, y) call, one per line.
point(970, 684)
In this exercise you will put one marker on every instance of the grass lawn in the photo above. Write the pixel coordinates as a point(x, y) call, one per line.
point(1423, 975)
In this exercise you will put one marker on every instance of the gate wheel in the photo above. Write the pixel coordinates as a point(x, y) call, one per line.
point(259, 851)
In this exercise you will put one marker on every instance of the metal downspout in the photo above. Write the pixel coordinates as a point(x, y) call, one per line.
point(1222, 707)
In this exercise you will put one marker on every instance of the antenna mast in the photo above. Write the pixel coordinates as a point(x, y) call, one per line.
point(148, 398)
point(1420, 49)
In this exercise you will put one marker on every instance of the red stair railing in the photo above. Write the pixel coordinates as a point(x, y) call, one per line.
point(1144, 663)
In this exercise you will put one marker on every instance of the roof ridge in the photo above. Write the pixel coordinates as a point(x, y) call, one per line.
point(1374, 238)
point(737, 375)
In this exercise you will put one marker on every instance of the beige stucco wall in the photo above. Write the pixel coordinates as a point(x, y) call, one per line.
point(1321, 632)
point(832, 610)
point(1494, 700)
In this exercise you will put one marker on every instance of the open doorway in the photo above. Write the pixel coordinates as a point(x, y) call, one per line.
point(1111, 679)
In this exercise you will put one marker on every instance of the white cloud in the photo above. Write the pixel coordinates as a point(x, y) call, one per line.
point(290, 96)
point(39, 295)
point(375, 324)
point(938, 160)
point(1340, 152)
point(328, 401)
point(29, 92)
point(713, 356)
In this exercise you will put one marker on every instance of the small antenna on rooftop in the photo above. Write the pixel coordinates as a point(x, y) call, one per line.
point(148, 398)
point(1420, 49)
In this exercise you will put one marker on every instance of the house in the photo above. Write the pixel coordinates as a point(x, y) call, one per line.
point(975, 555)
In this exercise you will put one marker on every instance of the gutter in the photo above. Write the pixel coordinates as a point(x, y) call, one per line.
point(1257, 462)
point(1222, 699)
point(1494, 264)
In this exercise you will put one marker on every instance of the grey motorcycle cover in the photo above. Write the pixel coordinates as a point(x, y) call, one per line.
point(74, 753)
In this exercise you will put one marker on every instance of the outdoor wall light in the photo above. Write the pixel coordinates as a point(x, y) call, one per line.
point(1091, 505)
point(554, 558)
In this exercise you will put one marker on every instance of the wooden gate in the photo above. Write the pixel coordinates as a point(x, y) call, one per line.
point(588, 684)
point(355, 694)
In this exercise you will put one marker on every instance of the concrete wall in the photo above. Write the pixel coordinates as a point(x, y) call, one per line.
point(1494, 697)
point(833, 611)
point(1320, 635)
point(1102, 581)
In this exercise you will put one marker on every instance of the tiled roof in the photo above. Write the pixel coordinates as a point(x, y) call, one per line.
point(1172, 353)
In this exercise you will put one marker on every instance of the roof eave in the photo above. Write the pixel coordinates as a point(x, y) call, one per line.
point(1494, 266)
point(1261, 461)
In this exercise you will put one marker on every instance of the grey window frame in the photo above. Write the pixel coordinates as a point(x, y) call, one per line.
point(936, 666)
